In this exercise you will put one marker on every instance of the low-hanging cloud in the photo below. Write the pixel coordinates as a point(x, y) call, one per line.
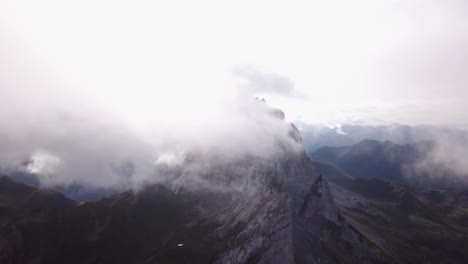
point(67, 138)
point(442, 162)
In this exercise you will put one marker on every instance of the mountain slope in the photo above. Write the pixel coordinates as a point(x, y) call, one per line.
point(280, 212)
point(409, 225)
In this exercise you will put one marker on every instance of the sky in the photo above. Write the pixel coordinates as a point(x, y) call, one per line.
point(344, 61)
point(86, 86)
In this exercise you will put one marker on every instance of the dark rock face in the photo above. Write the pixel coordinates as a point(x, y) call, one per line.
point(297, 222)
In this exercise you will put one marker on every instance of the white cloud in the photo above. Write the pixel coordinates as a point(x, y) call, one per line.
point(339, 54)
point(256, 81)
point(99, 83)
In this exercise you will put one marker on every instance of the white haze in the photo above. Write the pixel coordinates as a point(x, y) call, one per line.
point(445, 161)
point(98, 92)
point(66, 138)
point(369, 61)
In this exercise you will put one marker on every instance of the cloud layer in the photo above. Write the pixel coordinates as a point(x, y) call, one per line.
point(101, 100)
point(69, 138)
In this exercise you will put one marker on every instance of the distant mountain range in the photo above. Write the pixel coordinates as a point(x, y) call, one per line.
point(74, 191)
point(337, 135)
point(387, 160)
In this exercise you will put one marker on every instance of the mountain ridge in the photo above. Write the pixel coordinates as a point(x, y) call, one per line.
point(387, 160)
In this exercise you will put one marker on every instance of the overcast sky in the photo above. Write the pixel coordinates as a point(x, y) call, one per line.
point(320, 61)
point(101, 93)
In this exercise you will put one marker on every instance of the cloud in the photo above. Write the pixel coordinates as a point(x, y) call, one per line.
point(256, 81)
point(103, 109)
point(444, 162)
point(67, 137)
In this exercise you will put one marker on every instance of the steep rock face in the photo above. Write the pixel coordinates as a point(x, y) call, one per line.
point(322, 235)
point(319, 201)
point(296, 221)
point(259, 231)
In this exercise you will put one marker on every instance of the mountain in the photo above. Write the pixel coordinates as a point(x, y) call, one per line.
point(409, 225)
point(372, 158)
point(387, 160)
point(337, 219)
point(74, 191)
point(277, 208)
point(287, 216)
point(316, 136)
point(255, 209)
point(14, 194)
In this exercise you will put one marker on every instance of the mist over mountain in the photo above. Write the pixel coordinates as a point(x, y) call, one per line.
point(337, 135)
point(254, 197)
point(65, 146)
point(239, 132)
point(212, 206)
point(250, 209)
point(281, 209)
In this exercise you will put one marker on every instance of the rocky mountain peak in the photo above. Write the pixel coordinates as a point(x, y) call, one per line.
point(274, 209)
